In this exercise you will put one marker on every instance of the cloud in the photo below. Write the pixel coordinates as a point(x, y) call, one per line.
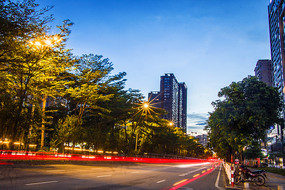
point(196, 122)
point(204, 123)
point(201, 116)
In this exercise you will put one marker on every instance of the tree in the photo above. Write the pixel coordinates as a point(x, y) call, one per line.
point(20, 22)
point(31, 61)
point(248, 109)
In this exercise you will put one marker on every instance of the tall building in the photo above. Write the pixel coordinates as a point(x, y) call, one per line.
point(276, 14)
point(154, 98)
point(276, 30)
point(263, 71)
point(172, 97)
point(169, 89)
point(182, 114)
point(203, 139)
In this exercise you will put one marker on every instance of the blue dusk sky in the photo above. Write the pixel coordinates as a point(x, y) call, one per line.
point(206, 43)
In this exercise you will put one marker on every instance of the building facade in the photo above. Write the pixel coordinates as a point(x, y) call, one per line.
point(263, 71)
point(154, 99)
point(182, 114)
point(203, 139)
point(169, 89)
point(276, 15)
point(172, 97)
point(276, 31)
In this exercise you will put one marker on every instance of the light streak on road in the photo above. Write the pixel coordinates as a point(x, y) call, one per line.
point(192, 165)
point(23, 155)
point(191, 172)
point(181, 184)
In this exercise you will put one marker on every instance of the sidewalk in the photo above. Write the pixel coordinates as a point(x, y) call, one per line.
point(272, 183)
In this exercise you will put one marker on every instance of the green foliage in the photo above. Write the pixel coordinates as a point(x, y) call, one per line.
point(67, 131)
point(248, 109)
point(87, 103)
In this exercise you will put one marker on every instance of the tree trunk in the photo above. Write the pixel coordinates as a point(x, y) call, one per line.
point(44, 100)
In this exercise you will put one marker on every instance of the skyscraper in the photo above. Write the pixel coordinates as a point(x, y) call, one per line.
point(263, 71)
point(169, 97)
point(276, 14)
point(182, 117)
point(276, 30)
point(154, 98)
point(172, 97)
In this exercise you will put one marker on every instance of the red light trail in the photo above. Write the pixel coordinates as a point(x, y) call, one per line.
point(9, 155)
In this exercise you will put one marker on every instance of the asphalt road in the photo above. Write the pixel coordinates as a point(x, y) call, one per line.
point(106, 176)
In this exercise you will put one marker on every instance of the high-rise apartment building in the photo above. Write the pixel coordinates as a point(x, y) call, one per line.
point(263, 71)
point(276, 30)
point(169, 89)
point(182, 114)
point(172, 97)
point(276, 14)
point(154, 98)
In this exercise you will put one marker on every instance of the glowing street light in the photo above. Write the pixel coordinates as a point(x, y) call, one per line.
point(48, 42)
point(37, 43)
point(146, 105)
point(42, 44)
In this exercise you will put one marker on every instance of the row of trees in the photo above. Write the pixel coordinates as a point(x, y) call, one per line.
point(53, 99)
point(242, 118)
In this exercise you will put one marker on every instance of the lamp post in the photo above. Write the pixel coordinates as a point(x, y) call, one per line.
point(170, 123)
point(43, 45)
point(145, 108)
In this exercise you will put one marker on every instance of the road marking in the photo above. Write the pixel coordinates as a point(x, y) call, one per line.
point(180, 182)
point(39, 183)
point(161, 181)
point(217, 181)
point(191, 172)
point(104, 176)
point(195, 175)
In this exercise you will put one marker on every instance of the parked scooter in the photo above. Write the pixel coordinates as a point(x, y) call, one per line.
point(245, 175)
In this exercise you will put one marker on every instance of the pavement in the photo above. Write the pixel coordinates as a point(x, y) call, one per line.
point(273, 182)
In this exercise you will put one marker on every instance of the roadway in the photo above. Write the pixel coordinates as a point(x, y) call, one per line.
point(113, 175)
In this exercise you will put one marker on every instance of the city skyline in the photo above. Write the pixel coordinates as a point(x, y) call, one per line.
point(192, 39)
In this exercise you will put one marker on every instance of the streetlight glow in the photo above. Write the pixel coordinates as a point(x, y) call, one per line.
point(48, 42)
point(56, 39)
point(37, 43)
point(145, 105)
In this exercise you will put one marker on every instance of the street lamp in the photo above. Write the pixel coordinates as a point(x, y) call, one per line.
point(145, 107)
point(43, 44)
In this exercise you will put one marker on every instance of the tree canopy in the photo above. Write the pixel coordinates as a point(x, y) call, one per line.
point(248, 109)
point(55, 100)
